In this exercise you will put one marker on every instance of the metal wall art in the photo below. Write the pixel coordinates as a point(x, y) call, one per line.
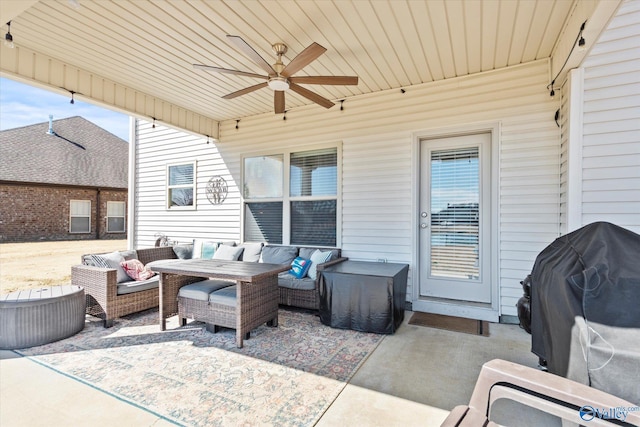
point(217, 190)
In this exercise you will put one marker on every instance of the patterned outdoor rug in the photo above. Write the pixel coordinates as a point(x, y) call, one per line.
point(284, 376)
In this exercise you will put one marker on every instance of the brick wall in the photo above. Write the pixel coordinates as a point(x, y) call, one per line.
point(30, 213)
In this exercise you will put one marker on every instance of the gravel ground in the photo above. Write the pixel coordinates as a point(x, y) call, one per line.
point(38, 264)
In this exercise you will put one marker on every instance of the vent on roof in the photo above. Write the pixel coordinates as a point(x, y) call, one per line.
point(50, 131)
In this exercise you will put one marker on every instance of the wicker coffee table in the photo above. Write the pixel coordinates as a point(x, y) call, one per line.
point(39, 316)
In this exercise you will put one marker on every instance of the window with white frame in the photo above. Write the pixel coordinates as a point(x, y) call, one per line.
point(115, 217)
point(292, 198)
point(181, 190)
point(80, 216)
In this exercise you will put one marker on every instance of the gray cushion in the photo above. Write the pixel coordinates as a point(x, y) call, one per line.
point(251, 251)
point(228, 253)
point(184, 251)
point(129, 254)
point(287, 280)
point(279, 254)
point(224, 296)
point(307, 252)
point(201, 290)
point(137, 285)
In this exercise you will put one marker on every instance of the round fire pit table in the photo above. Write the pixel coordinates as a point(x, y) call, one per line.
point(39, 316)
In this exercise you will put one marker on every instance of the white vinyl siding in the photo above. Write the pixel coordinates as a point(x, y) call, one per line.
point(378, 182)
point(611, 124)
point(155, 149)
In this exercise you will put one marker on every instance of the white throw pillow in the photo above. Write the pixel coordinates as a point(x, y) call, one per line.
point(228, 253)
point(318, 257)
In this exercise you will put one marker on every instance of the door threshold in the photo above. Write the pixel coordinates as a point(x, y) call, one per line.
point(449, 307)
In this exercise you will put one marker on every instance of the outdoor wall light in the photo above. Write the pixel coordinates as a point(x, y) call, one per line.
point(582, 44)
point(8, 38)
point(72, 100)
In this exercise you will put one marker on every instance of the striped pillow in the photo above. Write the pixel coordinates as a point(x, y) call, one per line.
point(111, 260)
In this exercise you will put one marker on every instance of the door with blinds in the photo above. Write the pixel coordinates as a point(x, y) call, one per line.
point(455, 207)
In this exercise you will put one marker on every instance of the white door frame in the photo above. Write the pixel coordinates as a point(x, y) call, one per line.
point(491, 311)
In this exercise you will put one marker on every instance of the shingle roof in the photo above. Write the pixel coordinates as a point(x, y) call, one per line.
point(79, 153)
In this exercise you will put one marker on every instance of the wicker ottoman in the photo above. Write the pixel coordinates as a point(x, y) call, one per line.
point(40, 316)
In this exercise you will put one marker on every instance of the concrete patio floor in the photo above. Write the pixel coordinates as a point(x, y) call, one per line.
point(413, 378)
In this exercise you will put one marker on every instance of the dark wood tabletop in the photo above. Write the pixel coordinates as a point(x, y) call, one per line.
point(220, 269)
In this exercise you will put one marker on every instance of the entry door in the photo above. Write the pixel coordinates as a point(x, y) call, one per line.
point(455, 208)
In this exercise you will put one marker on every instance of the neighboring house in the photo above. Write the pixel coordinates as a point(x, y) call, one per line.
point(62, 180)
point(371, 178)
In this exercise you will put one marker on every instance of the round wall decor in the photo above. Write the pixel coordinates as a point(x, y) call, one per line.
point(217, 190)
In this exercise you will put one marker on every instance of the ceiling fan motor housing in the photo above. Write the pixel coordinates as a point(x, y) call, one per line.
point(280, 49)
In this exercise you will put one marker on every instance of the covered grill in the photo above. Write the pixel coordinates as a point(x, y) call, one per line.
point(585, 308)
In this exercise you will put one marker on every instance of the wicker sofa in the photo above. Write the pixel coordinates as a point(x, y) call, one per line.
point(109, 296)
point(302, 293)
point(108, 299)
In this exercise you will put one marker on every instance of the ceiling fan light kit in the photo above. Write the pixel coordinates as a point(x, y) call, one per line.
point(278, 83)
point(279, 77)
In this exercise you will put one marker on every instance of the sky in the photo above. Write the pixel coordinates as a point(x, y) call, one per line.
point(23, 105)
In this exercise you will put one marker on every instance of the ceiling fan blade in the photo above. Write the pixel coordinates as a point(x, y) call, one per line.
point(303, 59)
point(311, 95)
point(245, 90)
point(251, 53)
point(278, 101)
point(325, 80)
point(228, 71)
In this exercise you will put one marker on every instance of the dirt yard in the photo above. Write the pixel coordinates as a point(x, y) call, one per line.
point(38, 264)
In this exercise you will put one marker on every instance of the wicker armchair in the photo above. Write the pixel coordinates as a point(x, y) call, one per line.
point(100, 286)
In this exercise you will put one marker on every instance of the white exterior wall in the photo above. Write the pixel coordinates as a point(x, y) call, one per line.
point(377, 133)
point(610, 151)
point(155, 149)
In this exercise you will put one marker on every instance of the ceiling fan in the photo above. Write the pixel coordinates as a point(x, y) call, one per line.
point(279, 77)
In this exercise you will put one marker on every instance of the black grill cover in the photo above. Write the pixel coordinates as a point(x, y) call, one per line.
point(585, 308)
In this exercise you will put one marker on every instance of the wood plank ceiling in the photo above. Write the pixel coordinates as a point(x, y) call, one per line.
point(150, 45)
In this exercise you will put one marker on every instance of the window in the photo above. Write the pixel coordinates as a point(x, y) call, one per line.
point(80, 216)
point(181, 186)
point(263, 192)
point(299, 207)
point(455, 231)
point(313, 190)
point(115, 217)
